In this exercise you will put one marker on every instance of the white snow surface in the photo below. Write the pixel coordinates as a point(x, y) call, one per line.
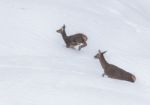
point(37, 69)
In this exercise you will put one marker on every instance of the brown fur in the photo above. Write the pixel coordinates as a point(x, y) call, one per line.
point(113, 71)
point(73, 40)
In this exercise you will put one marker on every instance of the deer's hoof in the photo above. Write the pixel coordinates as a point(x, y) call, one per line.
point(67, 46)
point(79, 49)
point(103, 75)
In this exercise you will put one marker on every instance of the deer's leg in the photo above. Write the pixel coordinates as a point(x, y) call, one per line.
point(67, 43)
point(71, 46)
point(103, 74)
point(83, 45)
point(67, 46)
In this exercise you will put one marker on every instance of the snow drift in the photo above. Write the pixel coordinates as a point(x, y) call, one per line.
point(37, 69)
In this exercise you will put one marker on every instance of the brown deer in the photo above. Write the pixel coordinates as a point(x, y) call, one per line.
point(73, 40)
point(113, 71)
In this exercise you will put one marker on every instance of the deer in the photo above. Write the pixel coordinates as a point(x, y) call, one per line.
point(73, 40)
point(113, 71)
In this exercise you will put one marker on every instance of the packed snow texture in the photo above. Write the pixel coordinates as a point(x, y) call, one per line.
point(37, 69)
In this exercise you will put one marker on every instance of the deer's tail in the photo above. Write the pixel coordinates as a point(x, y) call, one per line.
point(85, 38)
point(133, 78)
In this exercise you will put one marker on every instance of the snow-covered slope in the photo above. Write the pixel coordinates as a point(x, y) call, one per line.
point(37, 69)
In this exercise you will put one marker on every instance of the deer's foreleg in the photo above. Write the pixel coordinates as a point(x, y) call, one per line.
point(103, 74)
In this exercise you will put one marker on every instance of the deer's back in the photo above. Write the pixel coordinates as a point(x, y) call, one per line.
point(115, 72)
point(77, 38)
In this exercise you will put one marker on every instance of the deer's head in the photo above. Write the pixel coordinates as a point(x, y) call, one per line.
point(61, 30)
point(99, 54)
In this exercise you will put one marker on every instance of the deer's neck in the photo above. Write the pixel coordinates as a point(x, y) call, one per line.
point(64, 35)
point(103, 61)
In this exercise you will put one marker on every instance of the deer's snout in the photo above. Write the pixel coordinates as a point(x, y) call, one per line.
point(96, 56)
point(59, 31)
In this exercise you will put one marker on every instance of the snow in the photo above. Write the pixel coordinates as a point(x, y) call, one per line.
point(37, 69)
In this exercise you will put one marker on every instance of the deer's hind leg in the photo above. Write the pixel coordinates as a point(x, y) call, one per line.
point(83, 45)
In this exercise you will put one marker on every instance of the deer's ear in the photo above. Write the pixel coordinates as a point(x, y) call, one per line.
point(104, 52)
point(64, 26)
point(99, 51)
